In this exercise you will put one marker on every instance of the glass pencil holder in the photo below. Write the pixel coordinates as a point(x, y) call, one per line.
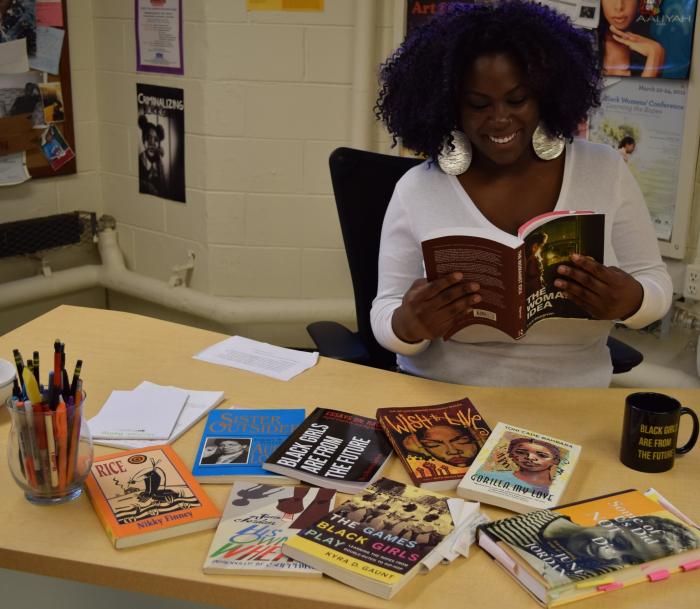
point(49, 451)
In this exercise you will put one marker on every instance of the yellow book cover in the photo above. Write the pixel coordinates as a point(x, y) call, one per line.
point(593, 546)
point(378, 539)
point(147, 494)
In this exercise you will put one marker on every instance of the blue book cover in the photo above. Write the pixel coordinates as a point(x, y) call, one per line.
point(235, 442)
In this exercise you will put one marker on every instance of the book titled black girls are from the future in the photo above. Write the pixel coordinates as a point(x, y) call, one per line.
point(333, 449)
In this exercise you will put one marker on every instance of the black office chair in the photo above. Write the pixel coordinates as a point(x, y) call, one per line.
point(363, 183)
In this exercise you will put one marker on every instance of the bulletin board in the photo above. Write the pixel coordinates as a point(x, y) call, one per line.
point(37, 163)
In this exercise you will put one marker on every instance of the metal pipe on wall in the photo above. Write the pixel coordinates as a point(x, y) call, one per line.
point(112, 274)
point(363, 79)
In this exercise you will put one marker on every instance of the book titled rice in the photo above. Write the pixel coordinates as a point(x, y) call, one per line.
point(148, 494)
point(257, 520)
point(520, 470)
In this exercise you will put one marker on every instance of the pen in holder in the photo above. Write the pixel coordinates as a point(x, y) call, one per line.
point(49, 450)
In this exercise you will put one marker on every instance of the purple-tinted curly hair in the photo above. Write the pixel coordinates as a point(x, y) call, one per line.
point(420, 82)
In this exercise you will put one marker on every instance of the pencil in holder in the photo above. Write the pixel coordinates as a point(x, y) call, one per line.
point(49, 451)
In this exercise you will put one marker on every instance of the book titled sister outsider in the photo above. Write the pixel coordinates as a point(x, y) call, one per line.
point(516, 274)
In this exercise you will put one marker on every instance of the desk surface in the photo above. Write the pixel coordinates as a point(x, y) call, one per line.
point(120, 350)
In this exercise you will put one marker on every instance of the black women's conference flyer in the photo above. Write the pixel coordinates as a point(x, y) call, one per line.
point(161, 122)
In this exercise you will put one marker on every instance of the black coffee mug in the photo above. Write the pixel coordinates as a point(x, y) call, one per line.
point(650, 432)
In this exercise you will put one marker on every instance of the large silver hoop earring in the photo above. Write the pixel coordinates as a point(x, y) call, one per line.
point(455, 161)
point(545, 146)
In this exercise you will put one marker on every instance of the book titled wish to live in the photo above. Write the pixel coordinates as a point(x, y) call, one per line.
point(437, 443)
point(236, 442)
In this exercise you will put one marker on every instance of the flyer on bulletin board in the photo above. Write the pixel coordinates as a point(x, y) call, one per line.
point(161, 159)
point(649, 38)
point(159, 36)
point(643, 120)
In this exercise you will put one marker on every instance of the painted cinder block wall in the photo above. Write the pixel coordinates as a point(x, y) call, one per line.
point(267, 98)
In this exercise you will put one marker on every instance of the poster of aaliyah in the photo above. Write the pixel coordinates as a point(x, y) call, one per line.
point(161, 123)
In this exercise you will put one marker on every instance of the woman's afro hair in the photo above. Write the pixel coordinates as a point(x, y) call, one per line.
point(419, 99)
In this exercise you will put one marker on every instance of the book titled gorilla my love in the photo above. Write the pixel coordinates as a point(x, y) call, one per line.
point(520, 470)
point(594, 546)
point(333, 449)
point(436, 444)
point(516, 274)
point(161, 158)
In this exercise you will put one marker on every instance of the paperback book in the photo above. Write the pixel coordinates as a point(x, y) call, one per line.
point(436, 444)
point(148, 494)
point(333, 449)
point(236, 442)
point(520, 470)
point(379, 539)
point(591, 547)
point(516, 274)
point(257, 520)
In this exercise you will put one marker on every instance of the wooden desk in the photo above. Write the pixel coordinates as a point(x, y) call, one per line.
point(120, 350)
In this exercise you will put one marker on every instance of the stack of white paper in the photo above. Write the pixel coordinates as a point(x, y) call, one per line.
point(262, 358)
point(150, 414)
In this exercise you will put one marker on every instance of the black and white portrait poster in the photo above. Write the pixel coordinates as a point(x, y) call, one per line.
point(161, 122)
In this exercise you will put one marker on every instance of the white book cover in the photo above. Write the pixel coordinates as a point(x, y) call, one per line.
point(520, 470)
point(257, 520)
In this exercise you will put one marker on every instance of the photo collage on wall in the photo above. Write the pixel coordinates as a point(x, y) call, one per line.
point(32, 105)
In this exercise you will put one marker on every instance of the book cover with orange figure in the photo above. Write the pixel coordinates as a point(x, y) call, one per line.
point(437, 443)
point(148, 494)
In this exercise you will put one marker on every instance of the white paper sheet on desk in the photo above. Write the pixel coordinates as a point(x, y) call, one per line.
point(146, 413)
point(198, 404)
point(262, 358)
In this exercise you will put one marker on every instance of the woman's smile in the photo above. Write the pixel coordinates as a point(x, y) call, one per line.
point(503, 139)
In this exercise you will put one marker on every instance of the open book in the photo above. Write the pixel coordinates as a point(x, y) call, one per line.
point(516, 274)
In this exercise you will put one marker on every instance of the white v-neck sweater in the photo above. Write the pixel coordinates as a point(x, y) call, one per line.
point(554, 352)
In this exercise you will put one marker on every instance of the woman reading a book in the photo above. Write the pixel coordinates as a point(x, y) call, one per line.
point(493, 94)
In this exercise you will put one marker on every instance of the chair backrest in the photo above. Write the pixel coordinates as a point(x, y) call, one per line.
point(363, 183)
